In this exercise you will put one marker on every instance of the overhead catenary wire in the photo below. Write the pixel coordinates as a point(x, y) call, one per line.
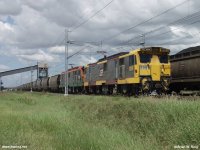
point(78, 52)
point(67, 41)
point(96, 43)
point(82, 17)
point(82, 23)
point(93, 15)
point(177, 40)
point(164, 33)
point(189, 18)
point(132, 27)
point(167, 32)
point(76, 27)
point(143, 22)
point(188, 36)
point(181, 20)
point(70, 56)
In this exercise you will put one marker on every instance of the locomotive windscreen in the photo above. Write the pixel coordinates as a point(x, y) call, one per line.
point(155, 50)
point(145, 58)
point(164, 58)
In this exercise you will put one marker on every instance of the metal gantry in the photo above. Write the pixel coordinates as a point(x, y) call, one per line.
point(16, 71)
point(42, 71)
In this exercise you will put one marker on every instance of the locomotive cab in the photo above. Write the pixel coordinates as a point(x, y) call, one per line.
point(147, 69)
point(154, 69)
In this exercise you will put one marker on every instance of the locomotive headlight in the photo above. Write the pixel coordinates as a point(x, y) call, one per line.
point(144, 67)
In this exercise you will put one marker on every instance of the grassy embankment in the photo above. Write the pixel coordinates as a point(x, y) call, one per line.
point(50, 121)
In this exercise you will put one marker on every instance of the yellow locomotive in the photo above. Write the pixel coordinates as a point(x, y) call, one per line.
point(143, 70)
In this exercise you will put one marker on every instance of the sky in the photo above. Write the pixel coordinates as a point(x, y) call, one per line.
point(33, 31)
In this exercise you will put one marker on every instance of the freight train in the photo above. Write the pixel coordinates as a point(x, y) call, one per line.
point(140, 71)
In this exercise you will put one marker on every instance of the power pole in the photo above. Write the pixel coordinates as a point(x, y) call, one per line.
point(21, 81)
point(31, 80)
point(0, 83)
point(66, 61)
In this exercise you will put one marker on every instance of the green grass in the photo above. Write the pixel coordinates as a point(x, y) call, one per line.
point(52, 121)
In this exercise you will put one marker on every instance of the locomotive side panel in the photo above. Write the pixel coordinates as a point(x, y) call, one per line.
point(100, 73)
point(129, 72)
point(111, 71)
point(75, 79)
point(93, 74)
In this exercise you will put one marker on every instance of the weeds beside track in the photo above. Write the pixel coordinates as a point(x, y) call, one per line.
point(52, 121)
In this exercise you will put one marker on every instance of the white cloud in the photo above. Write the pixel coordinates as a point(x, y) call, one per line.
point(6, 31)
point(86, 60)
point(57, 50)
point(40, 24)
point(178, 31)
point(40, 56)
point(61, 50)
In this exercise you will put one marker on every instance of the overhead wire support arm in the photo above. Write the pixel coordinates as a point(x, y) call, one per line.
point(77, 52)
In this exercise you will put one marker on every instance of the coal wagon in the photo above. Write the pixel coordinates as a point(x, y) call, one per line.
point(185, 70)
point(54, 82)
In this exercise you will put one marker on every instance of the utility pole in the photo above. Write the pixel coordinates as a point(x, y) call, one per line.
point(0, 84)
point(21, 81)
point(66, 61)
point(31, 80)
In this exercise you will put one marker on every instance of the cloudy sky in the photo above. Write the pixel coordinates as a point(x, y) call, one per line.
point(32, 31)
